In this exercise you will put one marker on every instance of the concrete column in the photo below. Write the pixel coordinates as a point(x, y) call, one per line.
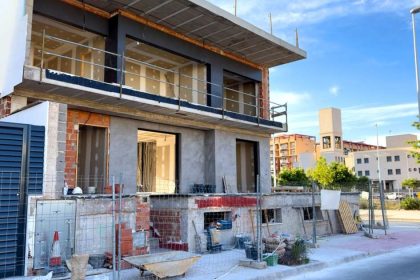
point(215, 76)
point(115, 43)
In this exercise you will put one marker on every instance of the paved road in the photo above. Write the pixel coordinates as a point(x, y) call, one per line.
point(402, 264)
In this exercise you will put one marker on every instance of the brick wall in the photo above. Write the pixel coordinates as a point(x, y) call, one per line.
point(265, 95)
point(5, 106)
point(74, 119)
point(168, 223)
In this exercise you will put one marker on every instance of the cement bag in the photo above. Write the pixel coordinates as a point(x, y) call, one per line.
point(330, 200)
point(215, 236)
point(77, 266)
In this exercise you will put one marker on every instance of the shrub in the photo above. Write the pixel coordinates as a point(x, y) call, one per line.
point(410, 203)
point(363, 204)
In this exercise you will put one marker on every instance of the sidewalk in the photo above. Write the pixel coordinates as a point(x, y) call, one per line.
point(333, 250)
point(393, 215)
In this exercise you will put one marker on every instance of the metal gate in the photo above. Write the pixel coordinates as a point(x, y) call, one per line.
point(21, 169)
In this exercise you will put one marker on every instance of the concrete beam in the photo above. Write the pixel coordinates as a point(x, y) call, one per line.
point(127, 112)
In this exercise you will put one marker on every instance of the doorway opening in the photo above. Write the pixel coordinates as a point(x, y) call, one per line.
point(156, 162)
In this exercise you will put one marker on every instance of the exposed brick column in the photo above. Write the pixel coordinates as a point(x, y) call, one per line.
point(265, 95)
point(74, 119)
point(5, 106)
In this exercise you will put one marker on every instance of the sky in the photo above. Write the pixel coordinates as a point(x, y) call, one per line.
point(359, 59)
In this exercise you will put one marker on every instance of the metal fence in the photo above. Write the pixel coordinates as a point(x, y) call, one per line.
point(248, 103)
point(214, 229)
point(203, 233)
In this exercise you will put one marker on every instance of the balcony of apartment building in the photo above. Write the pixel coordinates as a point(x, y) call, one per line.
point(68, 62)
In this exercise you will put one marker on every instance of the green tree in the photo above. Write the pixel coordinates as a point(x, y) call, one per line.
point(411, 183)
point(362, 184)
point(321, 174)
point(342, 176)
point(416, 144)
point(293, 177)
point(334, 176)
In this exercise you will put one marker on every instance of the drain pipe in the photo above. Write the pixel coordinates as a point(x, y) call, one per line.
point(113, 229)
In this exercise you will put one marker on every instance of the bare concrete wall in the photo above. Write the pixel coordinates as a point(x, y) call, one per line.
point(204, 156)
point(244, 217)
point(123, 152)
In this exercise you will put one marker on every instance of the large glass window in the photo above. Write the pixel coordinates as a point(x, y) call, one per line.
point(156, 162)
point(240, 94)
point(85, 58)
point(156, 71)
point(246, 166)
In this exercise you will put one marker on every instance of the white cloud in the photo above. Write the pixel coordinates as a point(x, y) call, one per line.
point(369, 116)
point(286, 13)
point(291, 98)
point(356, 120)
point(334, 90)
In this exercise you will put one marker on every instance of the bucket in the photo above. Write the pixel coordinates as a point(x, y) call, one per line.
point(271, 259)
point(251, 251)
point(240, 241)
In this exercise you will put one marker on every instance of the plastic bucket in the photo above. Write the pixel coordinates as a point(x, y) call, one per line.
point(271, 259)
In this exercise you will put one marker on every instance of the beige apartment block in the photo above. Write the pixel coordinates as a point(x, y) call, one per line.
point(395, 163)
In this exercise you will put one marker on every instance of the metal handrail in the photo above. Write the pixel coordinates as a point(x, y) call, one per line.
point(78, 44)
point(80, 60)
point(264, 108)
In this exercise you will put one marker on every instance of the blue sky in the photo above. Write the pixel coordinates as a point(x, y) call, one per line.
point(360, 59)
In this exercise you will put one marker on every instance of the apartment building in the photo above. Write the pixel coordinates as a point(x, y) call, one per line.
point(288, 148)
point(350, 146)
point(395, 163)
point(297, 150)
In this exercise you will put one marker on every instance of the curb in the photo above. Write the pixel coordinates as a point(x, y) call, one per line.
point(317, 265)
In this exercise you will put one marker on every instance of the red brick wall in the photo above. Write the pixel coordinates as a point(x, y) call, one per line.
point(5, 106)
point(74, 119)
point(265, 95)
point(142, 214)
point(168, 223)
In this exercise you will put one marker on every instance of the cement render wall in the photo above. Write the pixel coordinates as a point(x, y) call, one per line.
point(225, 146)
point(123, 152)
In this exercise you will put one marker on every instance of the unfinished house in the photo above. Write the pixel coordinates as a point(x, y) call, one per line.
point(167, 103)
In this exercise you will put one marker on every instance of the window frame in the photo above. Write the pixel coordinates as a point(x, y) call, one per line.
point(277, 213)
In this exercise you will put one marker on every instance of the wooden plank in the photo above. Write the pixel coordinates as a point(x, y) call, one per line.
point(346, 217)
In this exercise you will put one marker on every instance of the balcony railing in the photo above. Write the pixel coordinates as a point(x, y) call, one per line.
point(251, 105)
